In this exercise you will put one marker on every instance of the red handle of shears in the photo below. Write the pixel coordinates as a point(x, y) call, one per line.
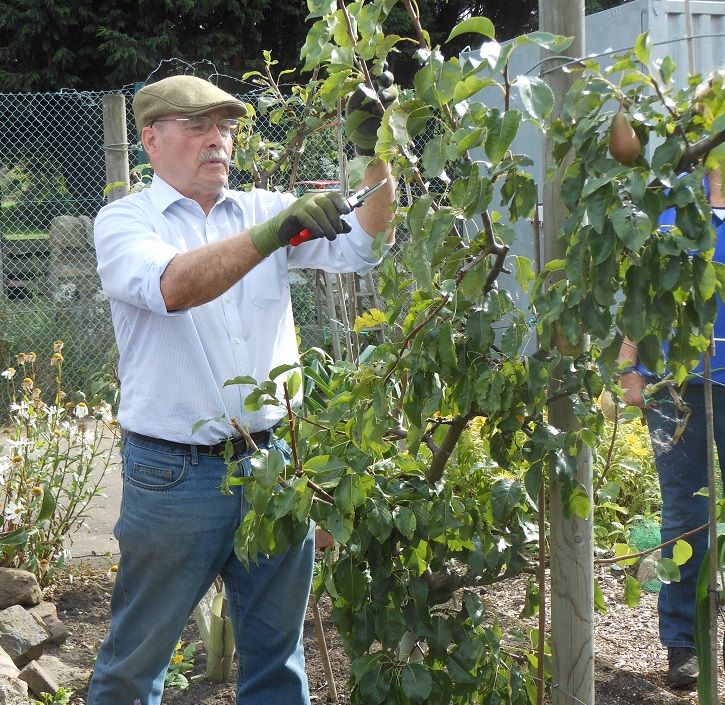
point(302, 236)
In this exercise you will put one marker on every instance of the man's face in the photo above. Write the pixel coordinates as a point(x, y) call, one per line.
point(195, 164)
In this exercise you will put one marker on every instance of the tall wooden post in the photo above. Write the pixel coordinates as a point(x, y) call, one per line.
point(115, 142)
point(572, 554)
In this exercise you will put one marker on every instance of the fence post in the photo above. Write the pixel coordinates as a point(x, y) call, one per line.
point(115, 145)
point(572, 548)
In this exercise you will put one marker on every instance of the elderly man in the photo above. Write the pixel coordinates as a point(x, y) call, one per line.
point(197, 277)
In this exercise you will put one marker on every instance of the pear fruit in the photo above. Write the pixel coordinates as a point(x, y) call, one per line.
point(624, 145)
point(608, 405)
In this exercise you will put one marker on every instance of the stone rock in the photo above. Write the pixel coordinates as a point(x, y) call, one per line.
point(18, 587)
point(69, 676)
point(47, 616)
point(21, 636)
point(7, 667)
point(69, 231)
point(13, 691)
point(39, 679)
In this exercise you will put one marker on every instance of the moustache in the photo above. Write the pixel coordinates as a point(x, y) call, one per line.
point(213, 156)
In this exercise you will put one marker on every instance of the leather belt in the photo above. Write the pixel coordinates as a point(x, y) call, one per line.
point(239, 445)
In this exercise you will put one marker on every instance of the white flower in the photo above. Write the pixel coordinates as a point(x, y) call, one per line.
point(9, 373)
point(105, 412)
point(14, 510)
point(81, 410)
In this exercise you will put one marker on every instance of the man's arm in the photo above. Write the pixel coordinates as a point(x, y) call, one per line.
point(632, 381)
point(376, 213)
point(198, 276)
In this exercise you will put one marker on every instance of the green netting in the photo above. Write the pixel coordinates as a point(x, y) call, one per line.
point(644, 534)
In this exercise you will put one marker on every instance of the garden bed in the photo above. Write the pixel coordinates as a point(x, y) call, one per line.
point(630, 663)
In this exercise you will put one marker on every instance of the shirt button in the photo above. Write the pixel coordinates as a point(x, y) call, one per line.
point(237, 341)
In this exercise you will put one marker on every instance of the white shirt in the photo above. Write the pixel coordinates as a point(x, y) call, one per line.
point(173, 365)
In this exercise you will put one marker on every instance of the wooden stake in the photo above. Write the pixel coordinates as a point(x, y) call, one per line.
point(324, 653)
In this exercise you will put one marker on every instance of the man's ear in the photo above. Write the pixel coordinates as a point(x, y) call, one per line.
point(149, 140)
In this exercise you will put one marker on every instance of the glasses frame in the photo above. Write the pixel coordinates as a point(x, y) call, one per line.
point(226, 126)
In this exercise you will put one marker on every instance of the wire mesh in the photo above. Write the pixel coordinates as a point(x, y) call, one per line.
point(52, 180)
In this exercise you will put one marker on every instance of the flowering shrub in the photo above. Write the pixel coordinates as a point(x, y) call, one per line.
point(53, 459)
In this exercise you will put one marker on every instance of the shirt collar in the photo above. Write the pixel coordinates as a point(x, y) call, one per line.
point(163, 195)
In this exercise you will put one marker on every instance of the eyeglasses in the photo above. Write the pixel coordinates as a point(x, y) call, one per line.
point(201, 124)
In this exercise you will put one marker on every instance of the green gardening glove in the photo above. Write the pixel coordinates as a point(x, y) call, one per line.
point(363, 115)
point(318, 212)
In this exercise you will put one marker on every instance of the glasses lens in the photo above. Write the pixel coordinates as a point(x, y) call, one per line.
point(201, 124)
point(228, 126)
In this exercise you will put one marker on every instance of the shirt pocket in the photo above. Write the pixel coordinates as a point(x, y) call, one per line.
point(266, 285)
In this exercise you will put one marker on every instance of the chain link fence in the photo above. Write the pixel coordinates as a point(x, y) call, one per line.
point(52, 180)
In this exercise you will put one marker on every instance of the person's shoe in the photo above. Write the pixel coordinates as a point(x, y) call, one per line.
point(681, 667)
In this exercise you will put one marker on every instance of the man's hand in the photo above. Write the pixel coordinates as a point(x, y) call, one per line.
point(318, 212)
point(363, 114)
point(633, 384)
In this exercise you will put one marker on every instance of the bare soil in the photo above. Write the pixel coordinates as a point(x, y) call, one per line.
point(630, 663)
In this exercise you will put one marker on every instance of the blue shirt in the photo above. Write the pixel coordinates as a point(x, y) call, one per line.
point(173, 365)
point(717, 362)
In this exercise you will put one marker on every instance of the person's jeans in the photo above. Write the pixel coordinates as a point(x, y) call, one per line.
point(176, 532)
point(682, 470)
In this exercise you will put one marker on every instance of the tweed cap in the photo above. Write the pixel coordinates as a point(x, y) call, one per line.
point(188, 95)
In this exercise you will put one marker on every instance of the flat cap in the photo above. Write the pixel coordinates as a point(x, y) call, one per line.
point(188, 95)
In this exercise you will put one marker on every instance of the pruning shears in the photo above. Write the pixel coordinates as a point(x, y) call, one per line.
point(355, 200)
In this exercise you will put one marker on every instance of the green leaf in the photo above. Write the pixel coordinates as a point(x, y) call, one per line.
point(501, 133)
point(370, 319)
point(537, 97)
point(243, 379)
point(416, 681)
point(505, 495)
point(667, 571)
point(470, 86)
point(622, 549)
point(477, 25)
point(434, 156)
point(18, 537)
point(600, 604)
point(579, 504)
point(352, 491)
point(642, 48)
point(339, 525)
point(524, 271)
point(546, 40)
point(267, 466)
point(47, 507)
point(681, 552)
point(293, 384)
point(375, 683)
point(380, 520)
point(280, 370)
point(350, 581)
point(631, 591)
point(405, 521)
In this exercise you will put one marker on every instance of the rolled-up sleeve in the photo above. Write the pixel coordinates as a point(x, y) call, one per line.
point(131, 257)
point(349, 252)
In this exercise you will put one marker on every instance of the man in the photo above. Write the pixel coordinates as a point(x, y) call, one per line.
point(682, 464)
point(197, 277)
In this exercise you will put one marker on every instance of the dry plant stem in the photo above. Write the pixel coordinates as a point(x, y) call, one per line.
point(362, 66)
point(320, 494)
point(300, 138)
point(292, 430)
point(440, 459)
point(415, 19)
point(696, 151)
point(610, 452)
point(669, 109)
point(324, 653)
point(541, 576)
point(639, 554)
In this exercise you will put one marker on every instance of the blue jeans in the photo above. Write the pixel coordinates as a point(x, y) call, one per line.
point(682, 471)
point(176, 532)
